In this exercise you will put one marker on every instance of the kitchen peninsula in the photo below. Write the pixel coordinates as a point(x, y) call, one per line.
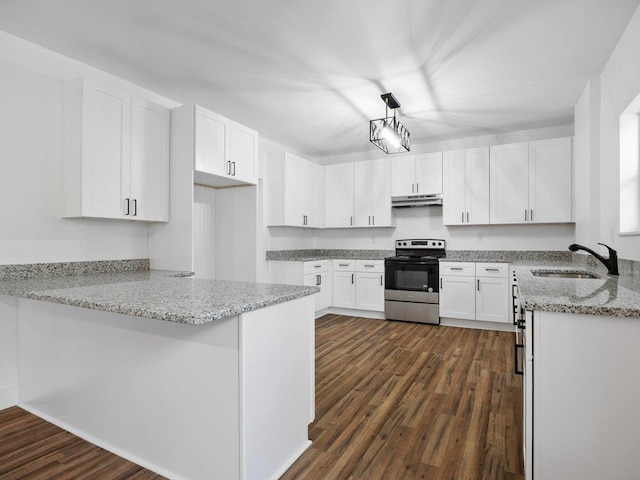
point(188, 377)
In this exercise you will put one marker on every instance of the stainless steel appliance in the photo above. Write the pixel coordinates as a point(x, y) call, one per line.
point(412, 281)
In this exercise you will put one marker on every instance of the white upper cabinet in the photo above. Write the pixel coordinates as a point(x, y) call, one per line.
point(372, 193)
point(550, 181)
point(466, 187)
point(294, 190)
point(532, 182)
point(150, 160)
point(116, 154)
point(416, 174)
point(403, 175)
point(509, 167)
point(339, 195)
point(429, 173)
point(226, 153)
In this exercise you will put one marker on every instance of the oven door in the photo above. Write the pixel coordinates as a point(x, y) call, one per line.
point(411, 276)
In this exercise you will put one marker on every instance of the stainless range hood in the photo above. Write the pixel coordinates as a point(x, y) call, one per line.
point(428, 200)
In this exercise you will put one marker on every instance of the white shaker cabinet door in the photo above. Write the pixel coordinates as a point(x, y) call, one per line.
point(380, 193)
point(509, 189)
point(338, 195)
point(428, 173)
point(492, 299)
point(106, 144)
point(294, 193)
point(212, 148)
point(370, 291)
point(458, 297)
point(550, 181)
point(454, 187)
point(243, 153)
point(344, 289)
point(477, 188)
point(403, 175)
point(150, 160)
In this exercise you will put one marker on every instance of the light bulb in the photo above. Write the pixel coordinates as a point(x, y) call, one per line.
point(391, 136)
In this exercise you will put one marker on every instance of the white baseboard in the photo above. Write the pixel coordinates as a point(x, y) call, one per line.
point(107, 446)
point(285, 466)
point(477, 324)
point(8, 397)
point(356, 313)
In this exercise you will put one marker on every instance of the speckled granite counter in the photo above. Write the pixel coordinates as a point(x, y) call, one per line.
point(312, 255)
point(154, 294)
point(610, 295)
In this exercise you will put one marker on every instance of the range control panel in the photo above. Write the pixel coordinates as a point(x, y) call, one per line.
point(420, 243)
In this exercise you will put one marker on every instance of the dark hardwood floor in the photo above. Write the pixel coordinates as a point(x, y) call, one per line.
point(34, 449)
point(405, 401)
point(393, 401)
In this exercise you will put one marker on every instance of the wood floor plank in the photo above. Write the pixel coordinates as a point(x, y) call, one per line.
point(405, 401)
point(33, 448)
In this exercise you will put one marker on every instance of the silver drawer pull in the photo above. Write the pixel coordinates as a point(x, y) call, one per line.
point(317, 266)
point(343, 264)
point(369, 266)
point(492, 269)
point(455, 268)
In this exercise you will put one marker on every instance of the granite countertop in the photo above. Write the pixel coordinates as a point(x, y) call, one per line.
point(610, 295)
point(314, 255)
point(162, 295)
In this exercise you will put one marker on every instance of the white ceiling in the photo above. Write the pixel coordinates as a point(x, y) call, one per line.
point(309, 74)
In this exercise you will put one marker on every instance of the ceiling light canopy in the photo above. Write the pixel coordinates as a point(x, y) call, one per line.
point(388, 134)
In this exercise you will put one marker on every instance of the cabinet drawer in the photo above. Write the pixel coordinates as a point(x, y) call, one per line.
point(370, 266)
point(458, 268)
point(344, 265)
point(492, 270)
point(316, 267)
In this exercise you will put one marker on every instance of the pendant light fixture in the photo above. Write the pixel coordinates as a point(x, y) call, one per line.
point(388, 134)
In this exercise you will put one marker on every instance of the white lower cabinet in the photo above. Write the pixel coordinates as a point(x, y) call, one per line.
point(475, 291)
point(316, 273)
point(358, 284)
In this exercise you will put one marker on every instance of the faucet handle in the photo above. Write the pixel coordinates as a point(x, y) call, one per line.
point(612, 252)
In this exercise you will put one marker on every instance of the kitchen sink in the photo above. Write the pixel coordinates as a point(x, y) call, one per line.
point(562, 274)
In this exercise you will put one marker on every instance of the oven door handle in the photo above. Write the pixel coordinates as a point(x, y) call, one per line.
point(409, 263)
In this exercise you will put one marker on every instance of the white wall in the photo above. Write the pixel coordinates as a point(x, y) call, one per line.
point(620, 84)
point(587, 164)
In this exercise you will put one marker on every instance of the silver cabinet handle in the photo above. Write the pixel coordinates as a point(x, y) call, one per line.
point(374, 219)
point(234, 168)
point(412, 188)
point(531, 216)
point(318, 279)
point(317, 266)
point(478, 284)
point(126, 208)
point(380, 279)
point(135, 207)
point(228, 167)
point(417, 187)
point(369, 266)
point(491, 269)
point(455, 268)
point(351, 220)
point(462, 213)
point(353, 278)
point(369, 219)
point(526, 219)
point(467, 217)
point(440, 283)
point(343, 264)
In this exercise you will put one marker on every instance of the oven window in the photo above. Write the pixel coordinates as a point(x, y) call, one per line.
point(412, 280)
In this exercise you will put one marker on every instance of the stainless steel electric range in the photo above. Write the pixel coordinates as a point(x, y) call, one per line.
point(412, 281)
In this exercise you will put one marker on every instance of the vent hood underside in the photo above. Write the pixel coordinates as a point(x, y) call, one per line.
point(432, 200)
